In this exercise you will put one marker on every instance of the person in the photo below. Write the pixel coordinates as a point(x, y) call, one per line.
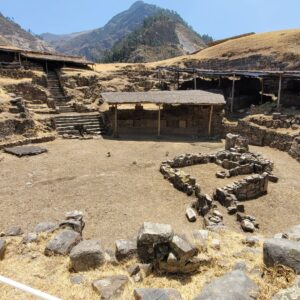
point(80, 129)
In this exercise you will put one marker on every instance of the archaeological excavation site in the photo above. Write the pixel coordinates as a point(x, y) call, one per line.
point(170, 171)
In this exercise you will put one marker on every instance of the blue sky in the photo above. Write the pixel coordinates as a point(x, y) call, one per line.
point(219, 18)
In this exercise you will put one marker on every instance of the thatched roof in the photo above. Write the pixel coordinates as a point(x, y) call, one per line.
point(46, 56)
point(165, 97)
point(56, 57)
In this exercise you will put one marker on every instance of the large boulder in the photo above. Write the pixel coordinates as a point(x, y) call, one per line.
point(125, 249)
point(232, 286)
point(2, 248)
point(88, 254)
point(151, 234)
point(62, 243)
point(283, 252)
point(156, 294)
point(110, 287)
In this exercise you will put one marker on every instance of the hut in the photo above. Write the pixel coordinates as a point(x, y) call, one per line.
point(191, 112)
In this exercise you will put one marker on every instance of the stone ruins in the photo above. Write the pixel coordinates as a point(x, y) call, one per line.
point(236, 159)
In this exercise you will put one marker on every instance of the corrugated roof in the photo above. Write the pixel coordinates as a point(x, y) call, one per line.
point(165, 97)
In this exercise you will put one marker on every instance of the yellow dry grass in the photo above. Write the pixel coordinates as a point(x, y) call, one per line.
point(28, 265)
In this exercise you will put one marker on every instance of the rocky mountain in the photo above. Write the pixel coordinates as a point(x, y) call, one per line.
point(12, 34)
point(95, 44)
point(161, 36)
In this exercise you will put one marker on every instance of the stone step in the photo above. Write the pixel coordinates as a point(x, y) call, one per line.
point(75, 132)
point(94, 123)
point(69, 121)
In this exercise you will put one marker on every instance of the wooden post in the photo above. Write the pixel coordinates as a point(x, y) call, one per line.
point(116, 121)
point(210, 119)
point(220, 82)
point(20, 61)
point(279, 91)
point(158, 122)
point(195, 81)
point(232, 94)
point(262, 90)
point(46, 67)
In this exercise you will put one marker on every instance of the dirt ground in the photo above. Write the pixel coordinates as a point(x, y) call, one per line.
point(118, 193)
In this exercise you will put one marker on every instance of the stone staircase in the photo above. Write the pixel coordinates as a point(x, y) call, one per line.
point(93, 124)
point(57, 93)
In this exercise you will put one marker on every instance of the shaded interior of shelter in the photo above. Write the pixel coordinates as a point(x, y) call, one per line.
point(249, 91)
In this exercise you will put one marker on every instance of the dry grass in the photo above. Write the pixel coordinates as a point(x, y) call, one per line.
point(28, 265)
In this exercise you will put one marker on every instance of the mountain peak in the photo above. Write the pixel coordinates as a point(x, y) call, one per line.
point(138, 4)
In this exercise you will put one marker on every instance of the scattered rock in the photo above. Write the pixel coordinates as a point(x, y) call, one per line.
point(240, 265)
point(62, 243)
point(45, 227)
point(110, 257)
point(30, 238)
point(251, 241)
point(87, 255)
point(247, 225)
point(146, 269)
point(199, 240)
point(156, 294)
point(294, 233)
point(14, 231)
point(232, 210)
point(273, 178)
point(133, 270)
point(110, 287)
point(221, 174)
point(125, 249)
point(233, 285)
point(77, 279)
point(191, 214)
point(283, 252)
point(2, 248)
point(182, 249)
point(216, 244)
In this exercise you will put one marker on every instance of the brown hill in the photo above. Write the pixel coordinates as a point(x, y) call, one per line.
point(278, 50)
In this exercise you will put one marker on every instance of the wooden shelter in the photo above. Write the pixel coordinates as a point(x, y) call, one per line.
point(191, 112)
point(13, 57)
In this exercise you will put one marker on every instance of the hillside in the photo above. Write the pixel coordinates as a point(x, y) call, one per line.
point(11, 33)
point(161, 36)
point(278, 50)
point(93, 44)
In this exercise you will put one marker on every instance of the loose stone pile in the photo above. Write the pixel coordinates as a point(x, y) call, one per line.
point(236, 160)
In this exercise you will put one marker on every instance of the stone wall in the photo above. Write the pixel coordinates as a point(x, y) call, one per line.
point(259, 136)
point(295, 148)
point(179, 120)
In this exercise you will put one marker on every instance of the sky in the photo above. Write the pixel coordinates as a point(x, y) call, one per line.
point(218, 18)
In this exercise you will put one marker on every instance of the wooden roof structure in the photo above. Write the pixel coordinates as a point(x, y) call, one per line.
point(46, 56)
point(187, 97)
point(231, 73)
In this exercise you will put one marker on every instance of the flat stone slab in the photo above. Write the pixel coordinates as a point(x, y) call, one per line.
point(156, 294)
point(110, 287)
point(88, 254)
point(62, 243)
point(283, 252)
point(25, 150)
point(233, 285)
point(45, 227)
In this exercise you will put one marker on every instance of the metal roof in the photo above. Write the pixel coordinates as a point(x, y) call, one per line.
point(165, 97)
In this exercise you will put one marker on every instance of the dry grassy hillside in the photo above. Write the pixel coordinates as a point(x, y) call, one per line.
point(271, 50)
